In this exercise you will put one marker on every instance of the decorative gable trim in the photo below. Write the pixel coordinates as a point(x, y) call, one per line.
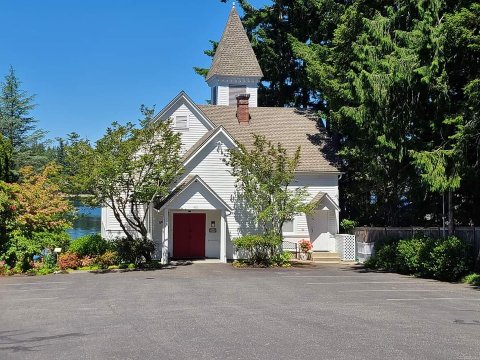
point(176, 102)
point(184, 185)
point(326, 200)
point(202, 143)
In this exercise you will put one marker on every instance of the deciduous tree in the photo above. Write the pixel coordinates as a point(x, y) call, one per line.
point(127, 170)
point(263, 175)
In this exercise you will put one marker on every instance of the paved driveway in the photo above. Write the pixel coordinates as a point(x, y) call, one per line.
point(213, 311)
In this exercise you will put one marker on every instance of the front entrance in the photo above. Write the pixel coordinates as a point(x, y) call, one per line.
point(188, 235)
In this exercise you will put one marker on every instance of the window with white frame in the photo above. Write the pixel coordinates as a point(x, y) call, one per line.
point(181, 122)
point(288, 226)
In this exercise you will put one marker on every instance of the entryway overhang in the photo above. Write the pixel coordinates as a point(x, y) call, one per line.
point(323, 201)
point(193, 186)
point(192, 195)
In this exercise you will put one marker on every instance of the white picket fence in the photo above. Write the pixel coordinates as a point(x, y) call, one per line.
point(345, 247)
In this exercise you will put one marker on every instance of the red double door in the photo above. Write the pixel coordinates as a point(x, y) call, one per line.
point(188, 235)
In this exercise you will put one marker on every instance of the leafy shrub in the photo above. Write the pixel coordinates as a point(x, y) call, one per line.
point(3, 268)
point(109, 258)
point(19, 251)
point(50, 260)
point(89, 245)
point(450, 259)
point(21, 248)
point(52, 240)
point(282, 258)
point(68, 260)
point(443, 259)
point(45, 269)
point(385, 257)
point(87, 261)
point(132, 251)
point(348, 225)
point(473, 279)
point(258, 249)
point(410, 257)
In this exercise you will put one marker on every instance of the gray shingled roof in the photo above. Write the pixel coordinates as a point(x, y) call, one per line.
point(317, 198)
point(234, 55)
point(289, 126)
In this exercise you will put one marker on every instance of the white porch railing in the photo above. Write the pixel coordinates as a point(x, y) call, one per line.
point(345, 247)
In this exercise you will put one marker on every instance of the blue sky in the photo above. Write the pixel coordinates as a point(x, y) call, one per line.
point(91, 62)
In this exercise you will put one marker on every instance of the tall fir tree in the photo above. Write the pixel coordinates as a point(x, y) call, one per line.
point(17, 124)
point(397, 84)
point(5, 159)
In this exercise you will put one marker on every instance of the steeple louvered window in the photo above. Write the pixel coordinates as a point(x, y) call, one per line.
point(234, 91)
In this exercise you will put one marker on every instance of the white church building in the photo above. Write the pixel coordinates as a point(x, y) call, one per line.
point(201, 216)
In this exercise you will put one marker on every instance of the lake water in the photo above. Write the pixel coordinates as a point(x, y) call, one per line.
point(88, 221)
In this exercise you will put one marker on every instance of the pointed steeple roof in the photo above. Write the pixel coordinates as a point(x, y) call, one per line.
point(234, 55)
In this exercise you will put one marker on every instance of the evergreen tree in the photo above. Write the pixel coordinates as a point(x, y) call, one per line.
point(17, 124)
point(397, 84)
point(5, 159)
point(270, 30)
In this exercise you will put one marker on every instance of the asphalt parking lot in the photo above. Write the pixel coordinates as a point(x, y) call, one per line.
point(213, 311)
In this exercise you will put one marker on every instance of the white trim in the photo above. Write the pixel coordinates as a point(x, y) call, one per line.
point(224, 80)
point(187, 122)
point(196, 179)
point(223, 236)
point(183, 98)
point(217, 131)
point(165, 238)
point(329, 198)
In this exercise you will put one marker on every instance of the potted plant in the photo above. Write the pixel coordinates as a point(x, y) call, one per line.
point(305, 249)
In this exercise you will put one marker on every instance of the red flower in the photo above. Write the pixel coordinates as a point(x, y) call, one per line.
point(305, 245)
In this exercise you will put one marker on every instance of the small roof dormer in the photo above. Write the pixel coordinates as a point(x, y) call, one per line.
point(235, 68)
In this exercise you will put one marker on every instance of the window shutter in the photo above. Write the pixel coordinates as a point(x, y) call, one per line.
point(234, 91)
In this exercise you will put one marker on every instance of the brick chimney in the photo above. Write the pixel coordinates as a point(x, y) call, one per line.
point(243, 113)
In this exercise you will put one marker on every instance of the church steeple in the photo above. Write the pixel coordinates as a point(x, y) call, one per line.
point(235, 69)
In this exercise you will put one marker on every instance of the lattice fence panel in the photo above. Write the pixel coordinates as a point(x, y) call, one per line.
point(348, 247)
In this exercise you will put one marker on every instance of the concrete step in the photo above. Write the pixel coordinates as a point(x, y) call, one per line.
point(325, 257)
point(324, 254)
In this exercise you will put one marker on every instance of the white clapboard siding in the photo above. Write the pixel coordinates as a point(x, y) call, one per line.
point(222, 95)
point(301, 225)
point(191, 133)
point(210, 166)
point(111, 228)
point(195, 196)
point(253, 91)
point(327, 183)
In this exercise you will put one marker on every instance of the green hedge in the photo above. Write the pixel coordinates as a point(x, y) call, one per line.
point(444, 259)
point(89, 245)
point(259, 249)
